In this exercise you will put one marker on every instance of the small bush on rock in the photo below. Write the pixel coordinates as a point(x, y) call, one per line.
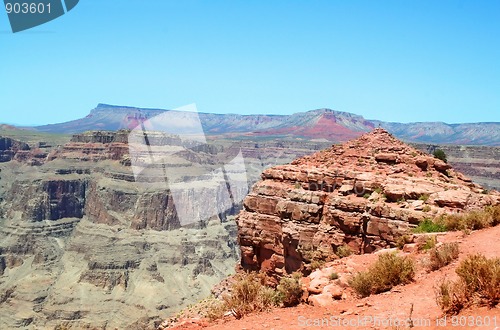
point(440, 154)
point(343, 251)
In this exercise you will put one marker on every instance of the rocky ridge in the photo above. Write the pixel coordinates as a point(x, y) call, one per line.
point(362, 194)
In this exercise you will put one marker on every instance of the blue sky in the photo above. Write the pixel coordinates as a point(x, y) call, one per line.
point(390, 60)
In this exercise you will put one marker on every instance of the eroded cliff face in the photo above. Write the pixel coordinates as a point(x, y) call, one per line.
point(9, 147)
point(85, 246)
point(364, 193)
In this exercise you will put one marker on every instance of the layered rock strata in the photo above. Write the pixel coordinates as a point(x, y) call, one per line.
point(363, 194)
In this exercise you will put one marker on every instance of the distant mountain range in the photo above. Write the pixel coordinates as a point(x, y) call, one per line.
point(335, 126)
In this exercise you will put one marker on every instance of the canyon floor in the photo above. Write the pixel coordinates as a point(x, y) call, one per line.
point(374, 311)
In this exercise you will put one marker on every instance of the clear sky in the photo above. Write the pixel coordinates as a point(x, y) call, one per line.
point(390, 60)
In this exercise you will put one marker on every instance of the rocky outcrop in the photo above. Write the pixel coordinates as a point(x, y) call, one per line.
point(9, 148)
point(363, 194)
point(480, 163)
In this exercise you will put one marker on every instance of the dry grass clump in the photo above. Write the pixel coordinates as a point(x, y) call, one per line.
point(479, 219)
point(290, 290)
point(343, 251)
point(451, 296)
point(442, 255)
point(479, 283)
point(249, 294)
point(388, 271)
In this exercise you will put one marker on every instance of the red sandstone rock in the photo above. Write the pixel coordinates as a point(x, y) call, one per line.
point(363, 194)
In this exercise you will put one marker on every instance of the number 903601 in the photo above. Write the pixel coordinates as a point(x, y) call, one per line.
point(27, 8)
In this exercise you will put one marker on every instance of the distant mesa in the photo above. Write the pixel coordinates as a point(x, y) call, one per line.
point(331, 125)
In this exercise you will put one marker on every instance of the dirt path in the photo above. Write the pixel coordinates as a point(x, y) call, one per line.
point(376, 311)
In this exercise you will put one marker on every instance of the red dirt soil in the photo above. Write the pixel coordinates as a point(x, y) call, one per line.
point(393, 305)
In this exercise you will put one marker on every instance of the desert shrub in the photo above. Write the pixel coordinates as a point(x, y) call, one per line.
point(494, 211)
point(451, 296)
point(426, 208)
point(482, 277)
point(215, 309)
point(429, 226)
point(362, 283)
point(479, 282)
point(343, 251)
point(430, 243)
point(453, 221)
point(313, 257)
point(290, 290)
point(316, 264)
point(333, 276)
point(249, 294)
point(477, 220)
point(473, 220)
point(440, 154)
point(366, 195)
point(424, 197)
point(443, 255)
point(388, 271)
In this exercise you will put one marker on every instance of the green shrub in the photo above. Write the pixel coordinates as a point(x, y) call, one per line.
point(440, 154)
point(429, 226)
point(363, 284)
point(424, 197)
point(443, 255)
point(290, 290)
point(388, 271)
point(426, 208)
point(333, 276)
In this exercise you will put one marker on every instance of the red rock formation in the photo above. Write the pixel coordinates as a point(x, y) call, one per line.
point(364, 193)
